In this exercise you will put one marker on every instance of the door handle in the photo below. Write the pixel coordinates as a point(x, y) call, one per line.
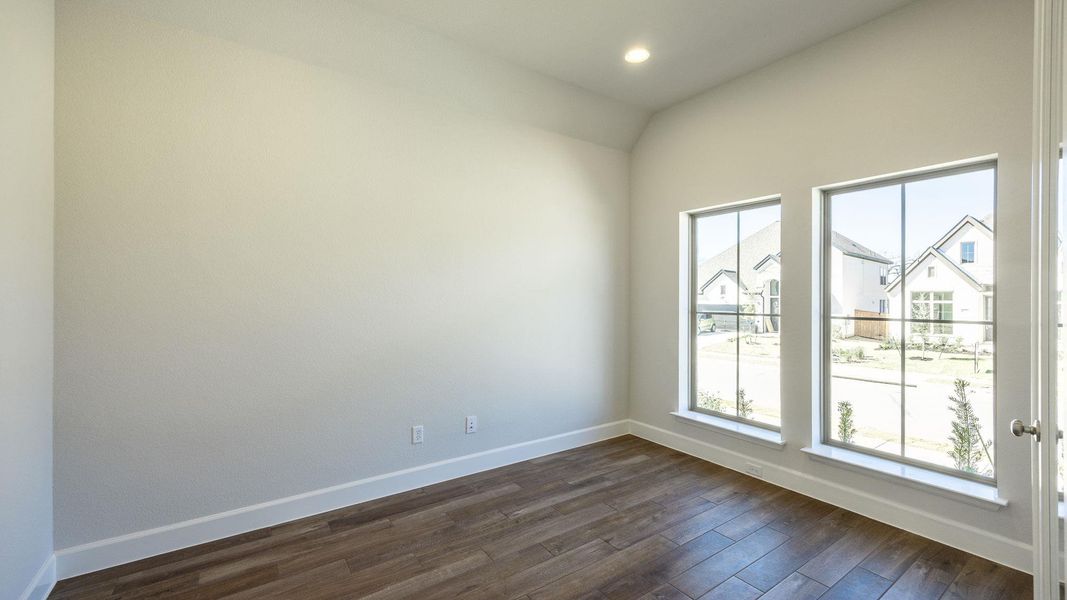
point(1018, 429)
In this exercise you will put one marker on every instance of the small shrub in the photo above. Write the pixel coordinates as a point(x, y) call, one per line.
point(890, 343)
point(846, 429)
point(966, 438)
point(744, 405)
point(710, 401)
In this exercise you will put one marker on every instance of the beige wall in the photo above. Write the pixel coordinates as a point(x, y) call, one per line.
point(27, 36)
point(267, 271)
point(937, 81)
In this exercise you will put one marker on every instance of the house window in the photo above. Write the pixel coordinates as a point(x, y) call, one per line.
point(734, 337)
point(931, 306)
point(914, 382)
point(883, 276)
point(966, 252)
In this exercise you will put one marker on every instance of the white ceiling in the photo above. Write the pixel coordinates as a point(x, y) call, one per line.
point(695, 44)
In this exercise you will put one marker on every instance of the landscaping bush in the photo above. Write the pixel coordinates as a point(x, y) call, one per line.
point(968, 447)
point(846, 430)
point(710, 401)
point(744, 405)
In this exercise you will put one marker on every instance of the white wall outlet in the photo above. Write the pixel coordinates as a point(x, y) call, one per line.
point(416, 434)
point(472, 424)
point(754, 470)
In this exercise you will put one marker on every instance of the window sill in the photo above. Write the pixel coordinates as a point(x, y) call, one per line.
point(743, 431)
point(976, 493)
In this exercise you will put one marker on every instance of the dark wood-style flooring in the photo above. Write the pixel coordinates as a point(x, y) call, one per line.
point(622, 519)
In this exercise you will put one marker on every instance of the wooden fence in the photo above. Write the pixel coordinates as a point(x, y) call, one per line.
point(875, 330)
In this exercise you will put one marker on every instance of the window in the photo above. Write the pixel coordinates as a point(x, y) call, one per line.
point(966, 252)
point(883, 277)
point(932, 306)
point(913, 383)
point(734, 337)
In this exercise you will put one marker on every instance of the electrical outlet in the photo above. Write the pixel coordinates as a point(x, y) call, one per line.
point(472, 424)
point(416, 434)
point(754, 470)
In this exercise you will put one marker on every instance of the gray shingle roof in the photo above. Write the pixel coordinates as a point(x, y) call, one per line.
point(850, 247)
point(767, 242)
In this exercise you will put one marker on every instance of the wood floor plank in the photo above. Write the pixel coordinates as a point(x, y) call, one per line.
point(981, 579)
point(858, 584)
point(895, 556)
point(664, 592)
point(929, 576)
point(623, 519)
point(836, 561)
point(732, 589)
point(549, 528)
point(781, 562)
point(795, 587)
point(543, 574)
point(650, 574)
point(412, 586)
point(745, 523)
point(708, 520)
point(596, 575)
point(709, 573)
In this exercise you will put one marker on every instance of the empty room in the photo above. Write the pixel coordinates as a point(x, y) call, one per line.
point(532, 299)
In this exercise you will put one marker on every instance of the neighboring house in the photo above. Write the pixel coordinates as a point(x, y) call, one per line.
point(755, 289)
point(857, 288)
point(952, 279)
point(753, 283)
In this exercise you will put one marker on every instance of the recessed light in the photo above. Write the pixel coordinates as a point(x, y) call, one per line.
point(636, 55)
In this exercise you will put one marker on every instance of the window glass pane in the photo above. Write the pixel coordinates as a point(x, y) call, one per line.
point(738, 302)
point(715, 376)
point(761, 247)
point(716, 366)
point(939, 348)
point(948, 217)
point(865, 379)
point(864, 249)
point(716, 253)
point(949, 418)
point(967, 252)
point(759, 383)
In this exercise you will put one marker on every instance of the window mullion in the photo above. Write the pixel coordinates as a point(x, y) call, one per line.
point(903, 308)
point(737, 307)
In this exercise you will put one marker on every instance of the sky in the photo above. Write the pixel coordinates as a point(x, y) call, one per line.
point(872, 217)
point(716, 233)
point(932, 206)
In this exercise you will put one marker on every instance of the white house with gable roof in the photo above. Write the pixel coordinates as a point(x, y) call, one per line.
point(952, 279)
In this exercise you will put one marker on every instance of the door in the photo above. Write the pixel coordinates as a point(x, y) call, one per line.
point(1042, 428)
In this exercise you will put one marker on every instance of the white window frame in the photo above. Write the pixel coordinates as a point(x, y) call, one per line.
point(747, 428)
point(823, 366)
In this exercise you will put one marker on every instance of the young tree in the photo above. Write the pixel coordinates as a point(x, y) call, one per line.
point(845, 427)
point(710, 401)
point(967, 445)
point(744, 405)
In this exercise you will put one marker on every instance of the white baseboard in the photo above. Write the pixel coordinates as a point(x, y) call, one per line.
point(42, 583)
point(960, 535)
point(102, 554)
